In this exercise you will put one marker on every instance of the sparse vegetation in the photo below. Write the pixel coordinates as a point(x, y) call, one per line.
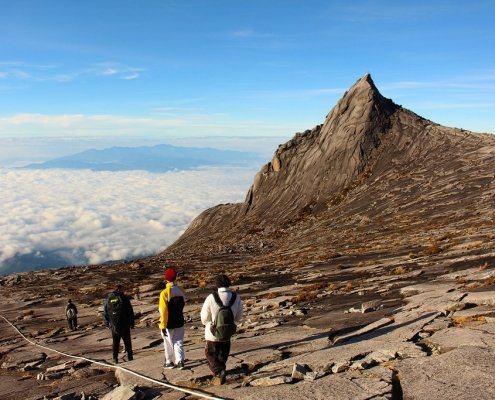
point(433, 247)
point(316, 286)
point(463, 321)
point(474, 245)
point(303, 296)
point(483, 266)
point(309, 292)
point(489, 281)
point(273, 295)
point(399, 270)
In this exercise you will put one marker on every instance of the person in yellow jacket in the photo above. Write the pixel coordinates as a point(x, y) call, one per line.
point(171, 307)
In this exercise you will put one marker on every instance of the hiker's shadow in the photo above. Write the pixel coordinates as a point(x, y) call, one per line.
point(282, 345)
point(339, 338)
point(342, 336)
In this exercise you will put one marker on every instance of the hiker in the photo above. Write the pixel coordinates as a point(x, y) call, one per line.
point(171, 307)
point(71, 314)
point(221, 310)
point(119, 317)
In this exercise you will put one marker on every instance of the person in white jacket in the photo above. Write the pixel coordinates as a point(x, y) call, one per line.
point(217, 350)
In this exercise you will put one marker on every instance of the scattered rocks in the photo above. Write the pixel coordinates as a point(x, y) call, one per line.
point(60, 367)
point(32, 365)
point(120, 393)
point(270, 381)
point(341, 366)
point(480, 298)
point(48, 377)
point(51, 333)
point(299, 371)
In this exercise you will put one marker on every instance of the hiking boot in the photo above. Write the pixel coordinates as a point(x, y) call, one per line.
point(115, 360)
point(130, 358)
point(180, 365)
point(219, 379)
point(169, 365)
point(216, 381)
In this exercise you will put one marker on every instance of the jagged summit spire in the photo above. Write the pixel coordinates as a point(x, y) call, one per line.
point(363, 107)
point(314, 166)
point(366, 77)
point(361, 97)
point(366, 83)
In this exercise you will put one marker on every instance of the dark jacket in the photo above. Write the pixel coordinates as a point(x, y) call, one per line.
point(125, 320)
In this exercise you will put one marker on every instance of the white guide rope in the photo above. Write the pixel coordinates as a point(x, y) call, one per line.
point(195, 393)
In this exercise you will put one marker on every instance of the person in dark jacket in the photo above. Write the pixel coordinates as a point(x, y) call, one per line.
point(71, 314)
point(119, 317)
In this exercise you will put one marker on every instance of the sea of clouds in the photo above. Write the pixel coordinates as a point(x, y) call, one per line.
point(91, 217)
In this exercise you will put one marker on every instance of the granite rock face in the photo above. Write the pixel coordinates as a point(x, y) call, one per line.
point(370, 160)
point(312, 167)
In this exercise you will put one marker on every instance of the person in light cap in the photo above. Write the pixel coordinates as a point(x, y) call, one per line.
point(171, 307)
point(220, 312)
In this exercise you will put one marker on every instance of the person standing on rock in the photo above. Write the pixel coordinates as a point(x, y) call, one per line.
point(220, 311)
point(171, 307)
point(119, 317)
point(71, 314)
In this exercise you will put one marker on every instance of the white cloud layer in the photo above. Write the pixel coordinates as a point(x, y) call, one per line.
point(92, 217)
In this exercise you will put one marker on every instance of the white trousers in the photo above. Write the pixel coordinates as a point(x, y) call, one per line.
point(173, 344)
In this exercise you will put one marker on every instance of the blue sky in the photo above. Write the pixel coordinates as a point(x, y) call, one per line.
point(162, 69)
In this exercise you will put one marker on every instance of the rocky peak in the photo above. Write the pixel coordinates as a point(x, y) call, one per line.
point(309, 169)
point(360, 109)
point(369, 156)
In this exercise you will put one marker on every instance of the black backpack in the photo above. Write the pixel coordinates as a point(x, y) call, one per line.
point(224, 325)
point(175, 312)
point(114, 308)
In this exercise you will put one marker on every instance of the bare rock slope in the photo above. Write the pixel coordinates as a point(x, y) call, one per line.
point(372, 163)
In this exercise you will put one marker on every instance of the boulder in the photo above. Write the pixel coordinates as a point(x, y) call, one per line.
point(341, 366)
point(270, 381)
point(120, 393)
point(480, 298)
point(299, 371)
point(452, 338)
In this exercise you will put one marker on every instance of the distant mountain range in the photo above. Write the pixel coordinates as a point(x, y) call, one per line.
point(159, 158)
point(47, 259)
point(35, 261)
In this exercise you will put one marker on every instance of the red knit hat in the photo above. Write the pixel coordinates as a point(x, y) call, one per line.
point(170, 274)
